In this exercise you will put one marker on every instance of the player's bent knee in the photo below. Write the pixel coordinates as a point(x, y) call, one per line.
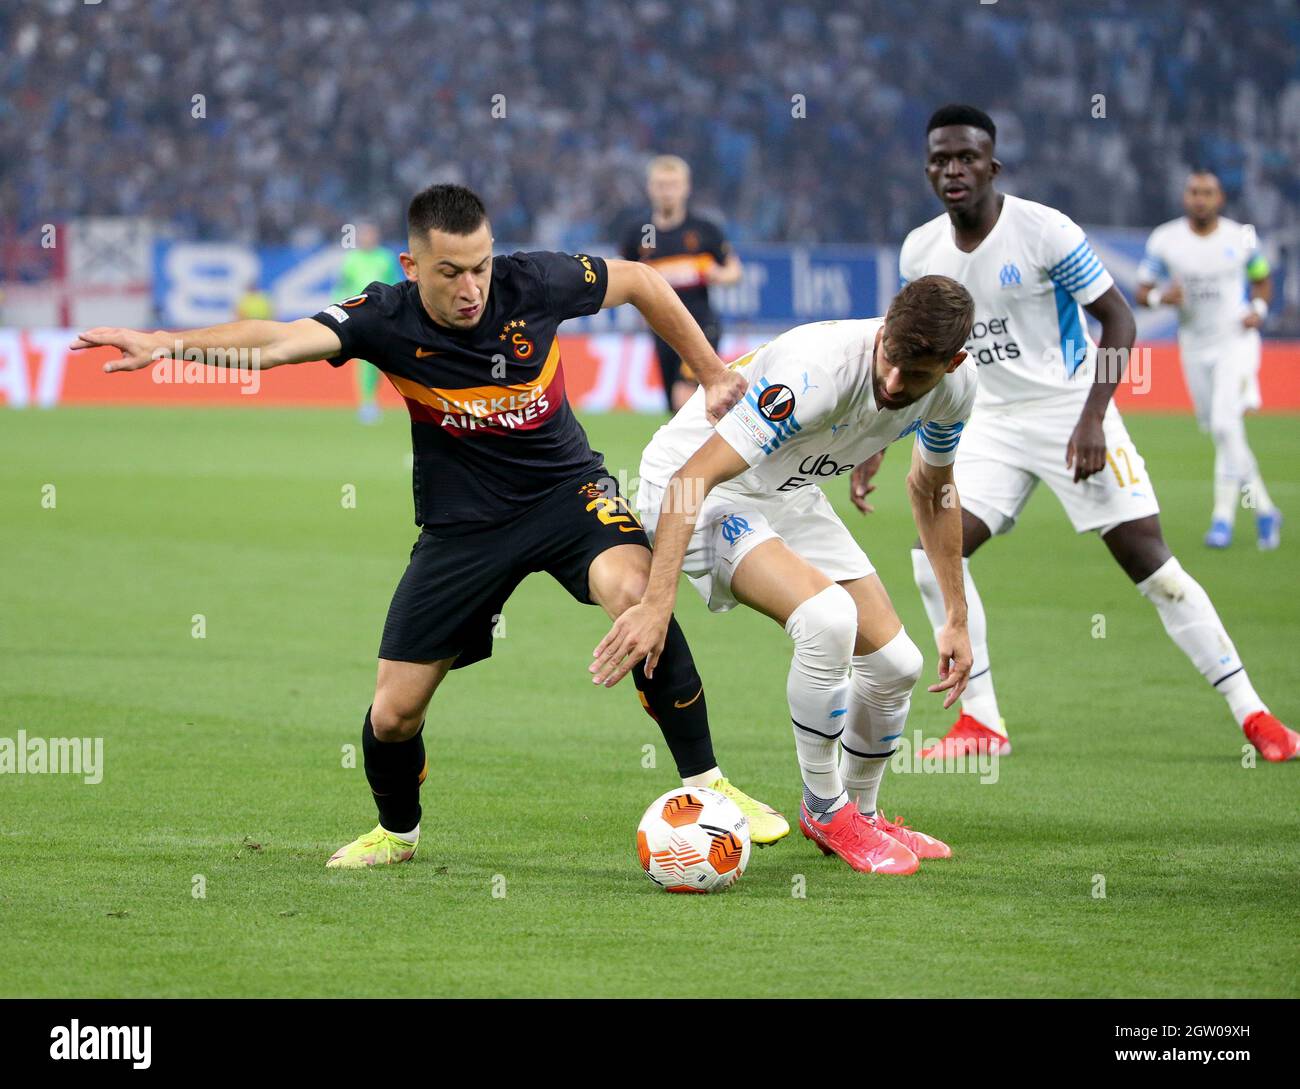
point(824, 627)
point(897, 666)
point(618, 578)
point(395, 719)
point(628, 593)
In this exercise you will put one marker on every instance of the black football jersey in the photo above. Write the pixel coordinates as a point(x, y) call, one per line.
point(486, 445)
point(682, 256)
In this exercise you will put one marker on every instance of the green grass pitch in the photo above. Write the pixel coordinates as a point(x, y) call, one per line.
point(224, 756)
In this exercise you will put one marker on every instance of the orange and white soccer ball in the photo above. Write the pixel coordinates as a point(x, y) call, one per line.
point(693, 840)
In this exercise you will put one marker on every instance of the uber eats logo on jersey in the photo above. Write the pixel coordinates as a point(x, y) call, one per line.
point(813, 467)
point(984, 348)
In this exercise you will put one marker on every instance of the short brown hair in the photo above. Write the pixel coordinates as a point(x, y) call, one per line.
point(930, 318)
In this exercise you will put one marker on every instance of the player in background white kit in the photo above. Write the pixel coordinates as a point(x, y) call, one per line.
point(739, 509)
point(1204, 261)
point(1044, 413)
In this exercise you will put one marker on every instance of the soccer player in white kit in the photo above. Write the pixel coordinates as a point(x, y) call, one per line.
point(1044, 413)
point(738, 508)
point(1204, 261)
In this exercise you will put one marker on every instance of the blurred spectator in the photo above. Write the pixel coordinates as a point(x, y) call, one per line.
point(318, 115)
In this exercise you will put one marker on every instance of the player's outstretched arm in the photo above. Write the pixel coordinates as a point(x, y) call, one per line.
point(1086, 451)
point(937, 512)
point(643, 287)
point(640, 632)
point(264, 344)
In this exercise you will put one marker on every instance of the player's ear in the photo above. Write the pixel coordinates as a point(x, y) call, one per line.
point(995, 168)
point(409, 266)
point(956, 361)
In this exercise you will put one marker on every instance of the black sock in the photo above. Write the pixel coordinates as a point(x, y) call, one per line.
point(395, 770)
point(674, 698)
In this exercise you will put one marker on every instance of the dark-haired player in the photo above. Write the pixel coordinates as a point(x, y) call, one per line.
point(691, 253)
point(505, 483)
point(1044, 413)
point(739, 508)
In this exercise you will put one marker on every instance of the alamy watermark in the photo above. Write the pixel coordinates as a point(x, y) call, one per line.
point(25, 755)
point(181, 366)
point(943, 759)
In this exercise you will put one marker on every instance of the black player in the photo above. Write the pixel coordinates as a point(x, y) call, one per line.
point(505, 483)
point(691, 253)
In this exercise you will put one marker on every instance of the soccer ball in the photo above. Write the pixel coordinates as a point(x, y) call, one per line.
point(693, 840)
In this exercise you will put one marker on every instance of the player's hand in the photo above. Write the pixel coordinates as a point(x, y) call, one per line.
point(1251, 320)
point(638, 634)
point(955, 660)
point(1086, 452)
point(860, 485)
point(723, 394)
point(137, 348)
point(1172, 295)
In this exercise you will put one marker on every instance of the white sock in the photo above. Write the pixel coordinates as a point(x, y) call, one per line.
point(879, 698)
point(705, 778)
point(1227, 497)
point(1188, 616)
point(979, 700)
point(1257, 495)
point(413, 836)
point(1234, 466)
point(823, 629)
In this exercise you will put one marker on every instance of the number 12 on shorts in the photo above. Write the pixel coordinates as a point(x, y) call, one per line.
point(1113, 458)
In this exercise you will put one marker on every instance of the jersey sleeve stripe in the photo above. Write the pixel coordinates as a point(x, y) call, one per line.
point(1079, 252)
point(1074, 267)
point(1152, 269)
point(1075, 286)
point(1078, 274)
point(940, 438)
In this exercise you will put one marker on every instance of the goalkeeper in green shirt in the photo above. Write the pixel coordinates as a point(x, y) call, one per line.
point(363, 266)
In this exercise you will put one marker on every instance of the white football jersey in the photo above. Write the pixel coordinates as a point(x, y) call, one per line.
point(1030, 279)
point(810, 413)
point(1212, 269)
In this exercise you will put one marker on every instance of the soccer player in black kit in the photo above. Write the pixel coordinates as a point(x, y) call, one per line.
point(505, 482)
point(690, 253)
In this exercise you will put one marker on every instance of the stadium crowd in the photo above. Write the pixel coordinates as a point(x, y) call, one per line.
point(319, 113)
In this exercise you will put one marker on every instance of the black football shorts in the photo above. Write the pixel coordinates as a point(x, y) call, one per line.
point(451, 597)
point(671, 368)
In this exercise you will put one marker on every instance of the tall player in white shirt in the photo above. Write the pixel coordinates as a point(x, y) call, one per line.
point(738, 508)
point(1204, 260)
point(1044, 413)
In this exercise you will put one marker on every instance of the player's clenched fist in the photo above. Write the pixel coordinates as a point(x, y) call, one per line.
point(137, 348)
point(723, 394)
point(639, 633)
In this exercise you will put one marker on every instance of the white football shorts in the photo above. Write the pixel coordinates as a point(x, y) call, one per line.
point(1006, 451)
point(733, 524)
point(1223, 380)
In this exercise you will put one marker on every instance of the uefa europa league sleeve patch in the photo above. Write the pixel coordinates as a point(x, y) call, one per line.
point(776, 403)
